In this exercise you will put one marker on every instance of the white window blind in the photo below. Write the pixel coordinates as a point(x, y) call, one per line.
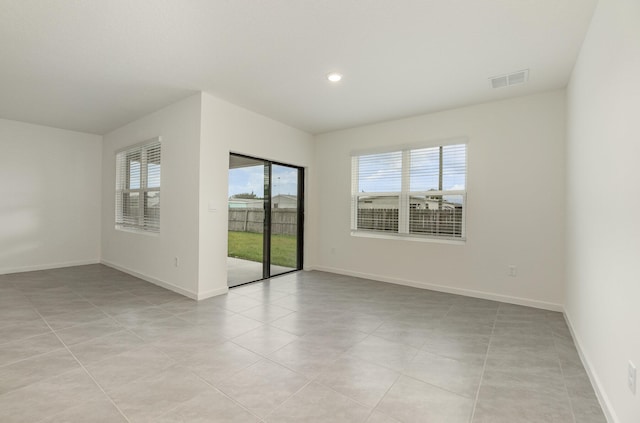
point(417, 192)
point(138, 187)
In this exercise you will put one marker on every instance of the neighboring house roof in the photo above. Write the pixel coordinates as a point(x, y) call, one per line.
point(244, 203)
point(285, 201)
point(392, 202)
point(286, 197)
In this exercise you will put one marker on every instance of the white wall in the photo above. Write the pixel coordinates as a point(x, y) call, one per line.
point(515, 203)
point(152, 256)
point(603, 231)
point(50, 190)
point(229, 128)
point(197, 135)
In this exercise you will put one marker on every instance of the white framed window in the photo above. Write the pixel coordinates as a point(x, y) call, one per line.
point(138, 187)
point(413, 191)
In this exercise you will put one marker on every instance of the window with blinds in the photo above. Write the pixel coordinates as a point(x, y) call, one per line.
point(417, 192)
point(138, 187)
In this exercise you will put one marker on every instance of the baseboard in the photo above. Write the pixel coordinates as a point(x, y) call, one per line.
point(34, 268)
point(448, 289)
point(161, 283)
point(603, 399)
point(212, 293)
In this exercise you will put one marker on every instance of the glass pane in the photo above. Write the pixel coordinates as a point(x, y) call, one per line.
point(378, 213)
point(133, 171)
point(284, 219)
point(246, 220)
point(380, 172)
point(454, 167)
point(427, 175)
point(425, 169)
point(436, 215)
point(131, 208)
point(152, 210)
point(153, 167)
point(153, 175)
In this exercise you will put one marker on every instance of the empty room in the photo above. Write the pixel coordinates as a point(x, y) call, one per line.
point(411, 211)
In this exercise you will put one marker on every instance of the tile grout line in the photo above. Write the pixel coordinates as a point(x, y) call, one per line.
point(309, 381)
point(32, 356)
point(484, 367)
point(288, 399)
point(346, 396)
point(564, 381)
point(25, 338)
point(221, 392)
point(435, 386)
point(373, 410)
point(382, 365)
point(85, 370)
point(124, 328)
point(287, 366)
point(147, 343)
point(314, 380)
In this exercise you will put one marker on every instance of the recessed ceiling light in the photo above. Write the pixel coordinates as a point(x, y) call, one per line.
point(334, 77)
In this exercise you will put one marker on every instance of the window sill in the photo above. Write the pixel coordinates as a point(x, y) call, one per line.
point(137, 231)
point(405, 237)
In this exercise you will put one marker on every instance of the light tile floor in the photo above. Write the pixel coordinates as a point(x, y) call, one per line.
point(91, 344)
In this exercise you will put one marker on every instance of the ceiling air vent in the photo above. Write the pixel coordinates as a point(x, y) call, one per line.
point(514, 78)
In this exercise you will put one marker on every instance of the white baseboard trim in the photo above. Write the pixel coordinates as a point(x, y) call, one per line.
point(161, 283)
point(212, 293)
point(48, 266)
point(603, 399)
point(448, 289)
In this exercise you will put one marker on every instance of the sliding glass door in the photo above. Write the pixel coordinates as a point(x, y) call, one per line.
point(285, 218)
point(265, 219)
point(246, 219)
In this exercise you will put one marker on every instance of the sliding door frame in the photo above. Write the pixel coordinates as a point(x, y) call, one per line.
point(267, 204)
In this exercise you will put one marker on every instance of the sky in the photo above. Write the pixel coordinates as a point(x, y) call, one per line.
point(153, 175)
point(424, 170)
point(424, 173)
point(251, 179)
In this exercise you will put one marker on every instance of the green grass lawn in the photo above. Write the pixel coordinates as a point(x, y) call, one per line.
point(248, 246)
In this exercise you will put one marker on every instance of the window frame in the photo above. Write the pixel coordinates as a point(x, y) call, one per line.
point(123, 186)
point(405, 194)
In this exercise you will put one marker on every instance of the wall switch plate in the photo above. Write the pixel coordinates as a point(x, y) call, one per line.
point(176, 262)
point(631, 377)
point(512, 270)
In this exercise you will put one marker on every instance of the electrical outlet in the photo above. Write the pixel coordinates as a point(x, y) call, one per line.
point(631, 377)
point(176, 262)
point(333, 250)
point(512, 270)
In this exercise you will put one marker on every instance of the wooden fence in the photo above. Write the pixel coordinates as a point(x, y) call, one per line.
point(283, 221)
point(378, 219)
point(446, 222)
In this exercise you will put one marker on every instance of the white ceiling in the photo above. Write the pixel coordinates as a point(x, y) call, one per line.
point(94, 65)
